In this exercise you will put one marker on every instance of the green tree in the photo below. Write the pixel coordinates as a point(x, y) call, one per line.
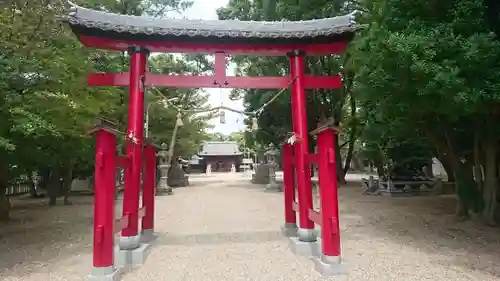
point(45, 105)
point(429, 71)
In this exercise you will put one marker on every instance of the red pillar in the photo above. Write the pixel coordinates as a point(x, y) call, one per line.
point(289, 186)
point(104, 198)
point(135, 140)
point(299, 116)
point(148, 189)
point(327, 176)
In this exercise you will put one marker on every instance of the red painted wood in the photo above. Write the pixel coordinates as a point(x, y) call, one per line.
point(328, 189)
point(315, 217)
point(299, 117)
point(178, 47)
point(312, 158)
point(220, 68)
point(104, 198)
point(142, 212)
point(289, 184)
point(122, 223)
point(122, 161)
point(134, 143)
point(212, 81)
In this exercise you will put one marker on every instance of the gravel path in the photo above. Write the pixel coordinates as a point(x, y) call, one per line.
point(227, 229)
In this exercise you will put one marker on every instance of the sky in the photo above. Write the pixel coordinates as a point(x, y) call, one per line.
point(206, 9)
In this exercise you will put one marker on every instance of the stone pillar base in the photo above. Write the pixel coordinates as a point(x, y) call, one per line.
point(164, 191)
point(329, 266)
point(148, 236)
point(132, 257)
point(289, 230)
point(273, 187)
point(110, 273)
point(301, 248)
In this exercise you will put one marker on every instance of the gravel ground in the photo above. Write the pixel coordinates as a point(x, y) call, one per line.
point(227, 229)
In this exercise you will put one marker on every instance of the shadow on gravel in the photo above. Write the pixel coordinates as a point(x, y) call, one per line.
point(425, 223)
point(42, 236)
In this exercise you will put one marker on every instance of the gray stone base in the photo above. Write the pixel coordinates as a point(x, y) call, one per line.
point(104, 274)
point(303, 248)
point(178, 182)
point(132, 257)
point(164, 191)
point(148, 236)
point(289, 230)
point(273, 187)
point(330, 266)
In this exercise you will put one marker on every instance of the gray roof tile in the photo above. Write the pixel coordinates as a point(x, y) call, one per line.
point(210, 28)
point(220, 148)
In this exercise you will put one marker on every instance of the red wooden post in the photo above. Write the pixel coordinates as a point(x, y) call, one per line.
point(148, 189)
point(135, 138)
point(299, 116)
point(289, 186)
point(104, 199)
point(327, 176)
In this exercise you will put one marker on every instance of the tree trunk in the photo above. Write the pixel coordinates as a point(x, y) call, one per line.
point(428, 172)
point(4, 200)
point(448, 167)
point(468, 195)
point(67, 180)
point(478, 171)
point(340, 169)
point(490, 181)
point(44, 179)
point(348, 157)
point(352, 135)
point(461, 211)
point(54, 188)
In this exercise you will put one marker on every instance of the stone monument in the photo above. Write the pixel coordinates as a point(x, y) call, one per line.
point(271, 157)
point(265, 172)
point(163, 166)
point(176, 176)
point(261, 174)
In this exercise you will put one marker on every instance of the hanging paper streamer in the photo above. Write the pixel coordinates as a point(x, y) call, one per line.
point(179, 122)
point(222, 117)
point(255, 124)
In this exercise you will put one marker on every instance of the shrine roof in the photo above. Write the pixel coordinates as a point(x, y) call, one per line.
point(220, 148)
point(89, 22)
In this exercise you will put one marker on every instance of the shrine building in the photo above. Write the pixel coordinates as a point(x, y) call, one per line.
point(221, 155)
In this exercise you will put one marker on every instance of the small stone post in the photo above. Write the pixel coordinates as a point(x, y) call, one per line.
point(162, 187)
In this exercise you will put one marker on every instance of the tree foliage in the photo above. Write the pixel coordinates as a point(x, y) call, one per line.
point(46, 106)
point(427, 76)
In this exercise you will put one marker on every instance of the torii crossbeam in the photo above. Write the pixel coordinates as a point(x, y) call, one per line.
point(219, 80)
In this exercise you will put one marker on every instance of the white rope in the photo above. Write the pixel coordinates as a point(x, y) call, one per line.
point(222, 107)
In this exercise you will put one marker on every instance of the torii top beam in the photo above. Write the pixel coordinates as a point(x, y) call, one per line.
point(118, 32)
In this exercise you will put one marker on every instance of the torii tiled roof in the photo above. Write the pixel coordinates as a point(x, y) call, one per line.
point(83, 20)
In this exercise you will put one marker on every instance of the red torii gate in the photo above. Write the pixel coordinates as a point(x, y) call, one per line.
point(139, 36)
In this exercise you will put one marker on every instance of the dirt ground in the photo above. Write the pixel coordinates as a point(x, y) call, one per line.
point(384, 238)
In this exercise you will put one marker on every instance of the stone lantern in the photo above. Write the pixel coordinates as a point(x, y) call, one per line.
point(163, 166)
point(271, 164)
